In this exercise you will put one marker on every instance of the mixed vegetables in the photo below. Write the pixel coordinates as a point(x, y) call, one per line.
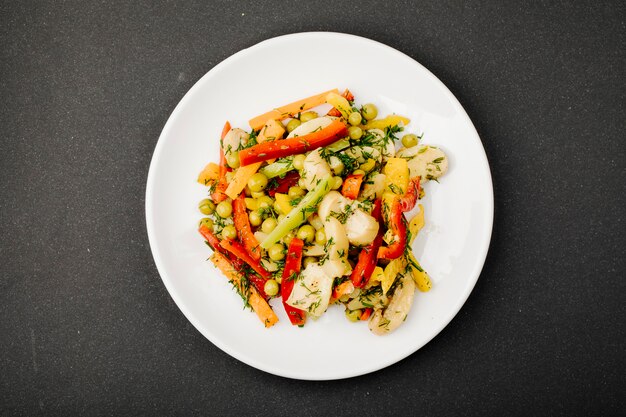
point(313, 209)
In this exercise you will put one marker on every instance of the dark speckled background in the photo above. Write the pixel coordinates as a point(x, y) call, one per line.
point(86, 325)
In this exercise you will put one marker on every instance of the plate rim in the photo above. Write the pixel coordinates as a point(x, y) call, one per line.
point(473, 275)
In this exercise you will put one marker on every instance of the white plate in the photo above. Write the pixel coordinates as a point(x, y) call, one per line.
point(459, 211)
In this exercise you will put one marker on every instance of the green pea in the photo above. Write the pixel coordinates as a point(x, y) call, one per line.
point(358, 171)
point(276, 252)
point(288, 238)
point(206, 206)
point(205, 221)
point(306, 233)
point(229, 232)
point(298, 161)
point(355, 132)
point(355, 118)
point(369, 111)
point(337, 182)
point(232, 159)
point(368, 165)
point(409, 140)
point(309, 115)
point(255, 218)
point(295, 192)
point(268, 225)
point(271, 287)
point(257, 182)
point(353, 315)
point(224, 209)
point(308, 260)
point(293, 123)
point(320, 237)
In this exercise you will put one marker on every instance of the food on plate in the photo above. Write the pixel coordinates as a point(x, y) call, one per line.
point(317, 204)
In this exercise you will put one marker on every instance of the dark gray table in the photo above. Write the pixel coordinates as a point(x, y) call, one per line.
point(87, 326)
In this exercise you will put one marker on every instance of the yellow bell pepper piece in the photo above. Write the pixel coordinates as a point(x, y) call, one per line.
point(377, 277)
point(388, 121)
point(416, 224)
point(340, 103)
point(283, 202)
point(421, 278)
point(251, 203)
point(391, 272)
point(397, 175)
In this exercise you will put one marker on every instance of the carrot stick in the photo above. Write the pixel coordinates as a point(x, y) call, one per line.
point(351, 186)
point(342, 289)
point(258, 303)
point(218, 195)
point(366, 314)
point(291, 109)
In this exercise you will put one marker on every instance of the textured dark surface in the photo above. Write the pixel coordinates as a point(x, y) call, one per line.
point(86, 325)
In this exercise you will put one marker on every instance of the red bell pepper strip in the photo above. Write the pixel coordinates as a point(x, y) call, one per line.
point(292, 267)
point(366, 263)
point(398, 228)
point(351, 186)
point(259, 283)
point(218, 195)
point(290, 180)
point(286, 147)
point(213, 241)
point(368, 258)
point(366, 313)
point(242, 224)
point(408, 200)
point(240, 252)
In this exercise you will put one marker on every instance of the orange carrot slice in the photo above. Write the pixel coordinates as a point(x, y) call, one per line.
point(291, 109)
point(258, 303)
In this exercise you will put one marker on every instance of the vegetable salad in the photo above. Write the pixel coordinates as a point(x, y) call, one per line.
point(321, 209)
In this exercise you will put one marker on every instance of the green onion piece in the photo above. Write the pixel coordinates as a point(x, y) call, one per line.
point(339, 145)
point(300, 213)
point(280, 167)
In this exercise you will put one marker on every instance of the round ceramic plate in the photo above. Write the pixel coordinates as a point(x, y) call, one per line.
point(459, 210)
